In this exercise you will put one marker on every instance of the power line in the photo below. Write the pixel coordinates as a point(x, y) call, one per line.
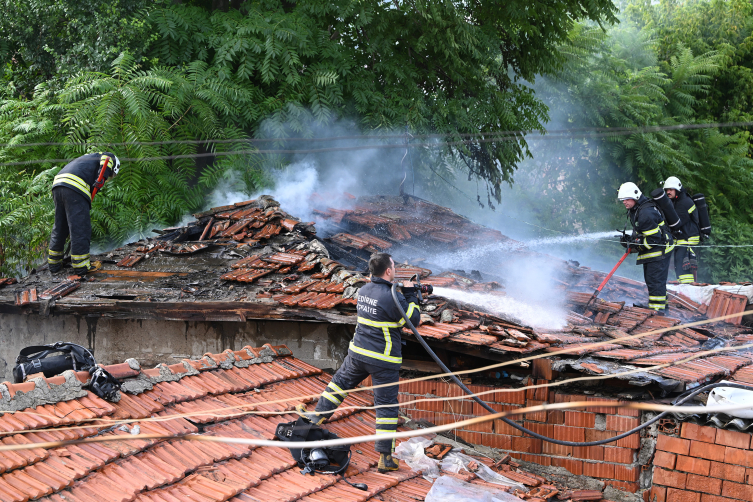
point(478, 138)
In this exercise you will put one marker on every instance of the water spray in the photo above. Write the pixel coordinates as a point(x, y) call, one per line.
point(508, 307)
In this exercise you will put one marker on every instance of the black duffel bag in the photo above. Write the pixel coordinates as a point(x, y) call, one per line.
point(332, 460)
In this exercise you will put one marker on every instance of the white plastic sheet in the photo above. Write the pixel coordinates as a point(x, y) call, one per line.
point(455, 462)
point(703, 294)
point(727, 396)
point(449, 489)
point(412, 453)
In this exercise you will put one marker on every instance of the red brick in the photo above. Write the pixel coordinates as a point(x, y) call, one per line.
point(625, 473)
point(536, 416)
point(669, 478)
point(737, 490)
point(565, 433)
point(620, 455)
point(622, 424)
point(707, 451)
point(733, 438)
point(703, 484)
point(556, 449)
point(430, 405)
point(628, 412)
point(458, 407)
point(589, 452)
point(735, 456)
point(608, 410)
point(674, 495)
point(501, 427)
point(478, 410)
point(632, 441)
point(481, 427)
point(556, 417)
point(727, 471)
point(693, 465)
point(540, 393)
point(657, 494)
point(672, 445)
point(500, 441)
point(510, 396)
point(624, 486)
point(580, 419)
point(526, 444)
point(598, 470)
point(574, 466)
point(698, 432)
point(705, 497)
point(664, 459)
point(543, 429)
point(536, 459)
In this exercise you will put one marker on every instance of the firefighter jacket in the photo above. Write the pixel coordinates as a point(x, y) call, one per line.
point(81, 174)
point(650, 233)
point(685, 207)
point(377, 339)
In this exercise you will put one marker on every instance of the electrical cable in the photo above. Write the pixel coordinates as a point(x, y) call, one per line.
point(515, 137)
point(392, 435)
point(511, 423)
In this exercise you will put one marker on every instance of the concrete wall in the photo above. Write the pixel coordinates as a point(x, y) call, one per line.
point(152, 342)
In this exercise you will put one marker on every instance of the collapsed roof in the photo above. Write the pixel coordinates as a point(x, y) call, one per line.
point(253, 260)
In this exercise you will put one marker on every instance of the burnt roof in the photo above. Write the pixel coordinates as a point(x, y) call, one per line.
point(253, 260)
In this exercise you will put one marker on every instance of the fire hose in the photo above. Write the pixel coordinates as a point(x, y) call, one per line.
point(514, 424)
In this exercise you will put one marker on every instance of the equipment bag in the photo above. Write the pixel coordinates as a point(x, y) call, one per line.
point(703, 215)
point(51, 360)
point(332, 460)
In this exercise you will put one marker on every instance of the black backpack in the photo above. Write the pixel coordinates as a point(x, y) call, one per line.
point(333, 460)
point(54, 359)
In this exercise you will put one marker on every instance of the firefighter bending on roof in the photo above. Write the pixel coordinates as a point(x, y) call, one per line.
point(375, 350)
point(651, 240)
point(72, 191)
point(686, 265)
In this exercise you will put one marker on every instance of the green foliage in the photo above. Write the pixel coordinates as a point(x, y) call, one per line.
point(52, 40)
point(616, 79)
point(26, 216)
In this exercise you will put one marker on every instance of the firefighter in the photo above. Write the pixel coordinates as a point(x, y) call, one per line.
point(651, 240)
point(686, 264)
point(375, 350)
point(72, 191)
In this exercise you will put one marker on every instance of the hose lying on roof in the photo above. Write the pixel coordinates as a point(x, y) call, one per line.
point(511, 423)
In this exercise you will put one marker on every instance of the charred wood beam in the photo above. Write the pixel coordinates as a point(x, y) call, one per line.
point(182, 311)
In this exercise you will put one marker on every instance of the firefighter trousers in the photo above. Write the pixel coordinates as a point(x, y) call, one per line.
point(684, 269)
point(72, 219)
point(655, 274)
point(350, 374)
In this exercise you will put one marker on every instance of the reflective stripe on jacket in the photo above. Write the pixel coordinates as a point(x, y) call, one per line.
point(377, 339)
point(648, 226)
point(80, 174)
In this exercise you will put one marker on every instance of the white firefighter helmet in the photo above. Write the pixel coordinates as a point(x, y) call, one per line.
point(673, 182)
point(629, 191)
point(115, 166)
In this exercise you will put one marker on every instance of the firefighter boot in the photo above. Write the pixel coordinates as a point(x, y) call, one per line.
point(311, 417)
point(387, 463)
point(94, 266)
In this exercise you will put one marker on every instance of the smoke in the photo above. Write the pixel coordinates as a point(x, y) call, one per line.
point(528, 314)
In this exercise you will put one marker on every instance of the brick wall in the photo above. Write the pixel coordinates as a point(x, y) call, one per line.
point(703, 464)
point(614, 463)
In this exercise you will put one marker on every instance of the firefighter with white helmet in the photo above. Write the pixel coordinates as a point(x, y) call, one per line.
point(686, 264)
point(651, 240)
point(73, 190)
